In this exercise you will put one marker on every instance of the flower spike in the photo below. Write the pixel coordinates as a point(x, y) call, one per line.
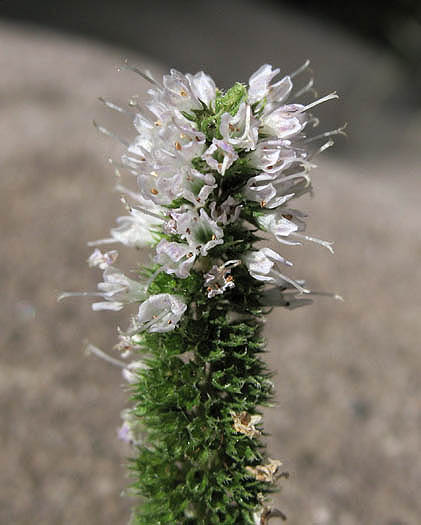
point(216, 171)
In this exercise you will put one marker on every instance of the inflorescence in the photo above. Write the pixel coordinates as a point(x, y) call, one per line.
point(215, 171)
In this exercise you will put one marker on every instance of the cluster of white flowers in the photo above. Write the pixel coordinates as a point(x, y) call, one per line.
point(190, 137)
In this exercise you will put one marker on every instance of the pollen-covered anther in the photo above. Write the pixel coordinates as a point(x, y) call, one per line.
point(178, 146)
point(244, 423)
point(157, 123)
point(183, 93)
point(154, 191)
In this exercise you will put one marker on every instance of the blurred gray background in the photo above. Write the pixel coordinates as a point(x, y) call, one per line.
point(348, 415)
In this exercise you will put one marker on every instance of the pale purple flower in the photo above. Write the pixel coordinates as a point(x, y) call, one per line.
point(284, 121)
point(131, 431)
point(117, 290)
point(220, 156)
point(102, 260)
point(160, 313)
point(263, 265)
point(176, 258)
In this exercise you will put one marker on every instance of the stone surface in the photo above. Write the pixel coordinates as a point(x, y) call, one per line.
point(348, 389)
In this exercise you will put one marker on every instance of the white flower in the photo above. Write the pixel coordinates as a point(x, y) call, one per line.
point(197, 229)
point(285, 121)
point(259, 83)
point(263, 265)
point(274, 155)
point(116, 289)
point(261, 90)
point(227, 212)
point(278, 190)
point(203, 87)
point(160, 313)
point(281, 223)
point(134, 230)
point(197, 187)
point(182, 92)
point(240, 130)
point(220, 156)
point(130, 372)
point(175, 257)
point(178, 91)
point(200, 231)
point(267, 194)
point(219, 278)
point(102, 260)
point(127, 343)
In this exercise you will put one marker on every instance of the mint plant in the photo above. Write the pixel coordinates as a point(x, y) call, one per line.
point(217, 172)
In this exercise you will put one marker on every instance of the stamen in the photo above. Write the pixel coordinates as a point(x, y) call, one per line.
point(91, 349)
point(144, 74)
point(338, 131)
point(305, 89)
point(300, 69)
point(325, 146)
point(105, 131)
point(65, 295)
point(294, 283)
point(111, 105)
point(326, 244)
point(319, 101)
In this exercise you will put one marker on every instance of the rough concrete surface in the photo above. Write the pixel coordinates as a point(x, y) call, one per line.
point(347, 424)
